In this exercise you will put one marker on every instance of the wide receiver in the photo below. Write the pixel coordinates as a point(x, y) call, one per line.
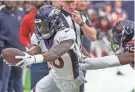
point(57, 44)
point(122, 43)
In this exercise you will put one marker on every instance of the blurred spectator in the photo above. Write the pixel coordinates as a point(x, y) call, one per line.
point(103, 27)
point(102, 45)
point(28, 6)
point(98, 5)
point(27, 26)
point(107, 11)
point(93, 16)
point(10, 19)
point(57, 4)
point(2, 6)
point(83, 5)
point(1, 3)
point(119, 13)
point(20, 5)
point(39, 70)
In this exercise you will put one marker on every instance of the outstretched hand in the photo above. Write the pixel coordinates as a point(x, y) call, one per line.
point(28, 59)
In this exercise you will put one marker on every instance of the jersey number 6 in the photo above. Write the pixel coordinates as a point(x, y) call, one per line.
point(59, 63)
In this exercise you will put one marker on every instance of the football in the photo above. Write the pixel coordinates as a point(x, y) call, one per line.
point(9, 55)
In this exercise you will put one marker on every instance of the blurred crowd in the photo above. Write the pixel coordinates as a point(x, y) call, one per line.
point(102, 14)
point(25, 6)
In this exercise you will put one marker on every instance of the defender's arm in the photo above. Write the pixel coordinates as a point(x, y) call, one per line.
point(107, 61)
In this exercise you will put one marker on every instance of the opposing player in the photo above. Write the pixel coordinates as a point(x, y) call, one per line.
point(122, 44)
point(57, 44)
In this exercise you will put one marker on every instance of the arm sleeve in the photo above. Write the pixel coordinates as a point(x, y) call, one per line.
point(88, 22)
point(99, 63)
point(24, 32)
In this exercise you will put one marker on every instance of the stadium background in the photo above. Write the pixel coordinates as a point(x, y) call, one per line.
point(128, 6)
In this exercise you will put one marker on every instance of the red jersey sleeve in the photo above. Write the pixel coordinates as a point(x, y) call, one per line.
point(27, 28)
point(24, 32)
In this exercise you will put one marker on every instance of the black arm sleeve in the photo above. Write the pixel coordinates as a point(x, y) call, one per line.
point(88, 22)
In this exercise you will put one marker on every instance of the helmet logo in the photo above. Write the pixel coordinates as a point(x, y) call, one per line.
point(120, 27)
point(38, 21)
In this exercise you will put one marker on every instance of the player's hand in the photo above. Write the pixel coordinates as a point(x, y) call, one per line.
point(84, 60)
point(84, 63)
point(28, 60)
point(77, 17)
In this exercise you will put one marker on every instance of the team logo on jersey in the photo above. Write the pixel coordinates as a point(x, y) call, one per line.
point(66, 31)
point(19, 18)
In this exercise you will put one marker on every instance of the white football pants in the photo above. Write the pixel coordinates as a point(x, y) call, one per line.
point(52, 83)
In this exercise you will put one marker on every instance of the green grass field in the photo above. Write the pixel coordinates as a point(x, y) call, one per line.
point(27, 82)
point(26, 90)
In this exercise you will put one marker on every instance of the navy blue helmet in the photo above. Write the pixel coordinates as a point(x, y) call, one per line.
point(122, 32)
point(47, 21)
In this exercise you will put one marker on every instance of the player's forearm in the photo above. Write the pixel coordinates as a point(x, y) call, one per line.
point(57, 51)
point(99, 63)
point(89, 32)
point(126, 58)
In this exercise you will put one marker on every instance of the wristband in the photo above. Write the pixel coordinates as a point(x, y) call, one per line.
point(38, 58)
point(81, 24)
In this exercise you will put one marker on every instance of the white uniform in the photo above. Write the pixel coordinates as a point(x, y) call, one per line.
point(64, 73)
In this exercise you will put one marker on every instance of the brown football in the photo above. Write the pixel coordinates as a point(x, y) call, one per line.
point(10, 53)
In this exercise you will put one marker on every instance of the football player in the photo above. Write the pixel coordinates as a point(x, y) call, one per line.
point(57, 44)
point(122, 43)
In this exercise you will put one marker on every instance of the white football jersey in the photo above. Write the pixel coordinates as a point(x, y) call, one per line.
point(66, 66)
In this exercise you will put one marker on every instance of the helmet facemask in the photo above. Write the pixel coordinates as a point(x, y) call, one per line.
point(116, 41)
point(45, 29)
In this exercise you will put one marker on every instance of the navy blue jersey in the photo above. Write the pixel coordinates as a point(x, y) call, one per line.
point(9, 28)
